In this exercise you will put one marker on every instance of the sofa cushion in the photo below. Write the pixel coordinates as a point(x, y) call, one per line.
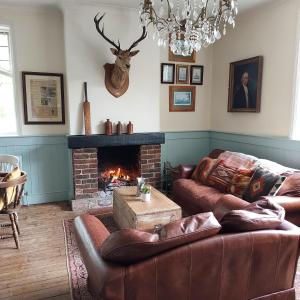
point(194, 197)
point(262, 214)
point(261, 184)
point(203, 169)
point(130, 245)
point(275, 167)
point(277, 186)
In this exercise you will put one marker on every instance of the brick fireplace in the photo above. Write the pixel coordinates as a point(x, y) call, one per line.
point(90, 154)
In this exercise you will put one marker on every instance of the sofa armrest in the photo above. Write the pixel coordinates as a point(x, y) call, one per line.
point(90, 233)
point(185, 171)
point(290, 204)
point(227, 203)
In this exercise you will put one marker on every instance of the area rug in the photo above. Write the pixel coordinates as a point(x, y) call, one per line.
point(77, 271)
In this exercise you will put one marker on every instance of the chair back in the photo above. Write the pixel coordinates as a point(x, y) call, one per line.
point(8, 162)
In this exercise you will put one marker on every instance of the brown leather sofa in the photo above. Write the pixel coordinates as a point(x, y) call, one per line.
point(255, 265)
point(195, 197)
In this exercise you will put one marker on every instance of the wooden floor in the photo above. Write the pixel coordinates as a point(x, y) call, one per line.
point(38, 270)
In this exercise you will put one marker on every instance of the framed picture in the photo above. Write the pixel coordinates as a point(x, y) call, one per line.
point(167, 73)
point(245, 81)
point(182, 74)
point(180, 58)
point(197, 75)
point(182, 98)
point(43, 95)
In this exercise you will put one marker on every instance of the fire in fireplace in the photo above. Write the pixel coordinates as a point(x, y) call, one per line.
point(118, 166)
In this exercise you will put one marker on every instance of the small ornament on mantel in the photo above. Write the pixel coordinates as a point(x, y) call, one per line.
point(108, 127)
point(119, 128)
point(129, 128)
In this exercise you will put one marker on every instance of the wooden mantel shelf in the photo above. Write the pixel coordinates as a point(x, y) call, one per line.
point(102, 140)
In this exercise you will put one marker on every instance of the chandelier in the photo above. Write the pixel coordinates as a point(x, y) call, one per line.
point(188, 25)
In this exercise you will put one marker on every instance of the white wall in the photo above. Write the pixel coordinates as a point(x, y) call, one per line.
point(189, 121)
point(38, 46)
point(270, 31)
point(87, 52)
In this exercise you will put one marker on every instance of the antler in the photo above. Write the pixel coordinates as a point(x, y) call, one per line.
point(101, 32)
point(143, 36)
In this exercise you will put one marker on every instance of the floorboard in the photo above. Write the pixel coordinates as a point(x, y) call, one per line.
point(38, 270)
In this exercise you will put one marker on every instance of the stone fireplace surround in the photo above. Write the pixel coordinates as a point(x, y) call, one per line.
point(85, 163)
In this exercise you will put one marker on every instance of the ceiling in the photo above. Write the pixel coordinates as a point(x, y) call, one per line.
point(244, 5)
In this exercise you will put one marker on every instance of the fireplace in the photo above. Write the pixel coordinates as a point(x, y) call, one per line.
point(102, 163)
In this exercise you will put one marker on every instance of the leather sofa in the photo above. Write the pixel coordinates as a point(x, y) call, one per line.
point(195, 197)
point(255, 265)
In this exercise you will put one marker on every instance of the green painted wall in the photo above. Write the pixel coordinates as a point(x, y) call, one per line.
point(47, 159)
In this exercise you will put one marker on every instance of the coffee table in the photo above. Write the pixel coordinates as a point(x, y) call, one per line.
point(130, 212)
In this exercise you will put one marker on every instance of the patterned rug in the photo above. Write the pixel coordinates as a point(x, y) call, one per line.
point(77, 271)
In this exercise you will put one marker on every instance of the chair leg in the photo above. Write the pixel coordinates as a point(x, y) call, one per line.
point(15, 233)
point(16, 219)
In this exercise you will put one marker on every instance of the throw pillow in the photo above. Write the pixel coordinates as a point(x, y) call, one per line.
point(277, 186)
point(221, 177)
point(262, 214)
point(240, 181)
point(261, 184)
point(203, 169)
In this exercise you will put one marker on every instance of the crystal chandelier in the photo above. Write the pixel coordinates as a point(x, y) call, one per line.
point(188, 25)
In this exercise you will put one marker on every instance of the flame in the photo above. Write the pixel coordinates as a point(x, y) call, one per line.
point(115, 174)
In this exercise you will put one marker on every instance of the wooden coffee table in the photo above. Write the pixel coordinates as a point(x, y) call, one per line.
point(130, 212)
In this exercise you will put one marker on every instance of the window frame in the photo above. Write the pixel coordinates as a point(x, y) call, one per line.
point(6, 26)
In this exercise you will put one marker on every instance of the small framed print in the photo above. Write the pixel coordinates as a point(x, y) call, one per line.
point(182, 98)
point(182, 74)
point(167, 73)
point(197, 75)
point(43, 95)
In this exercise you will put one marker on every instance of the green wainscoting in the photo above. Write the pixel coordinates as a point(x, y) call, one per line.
point(281, 150)
point(185, 147)
point(46, 159)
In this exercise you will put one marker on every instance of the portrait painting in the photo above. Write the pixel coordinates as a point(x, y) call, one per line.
point(181, 98)
point(245, 81)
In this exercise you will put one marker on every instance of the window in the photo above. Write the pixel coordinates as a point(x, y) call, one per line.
point(8, 125)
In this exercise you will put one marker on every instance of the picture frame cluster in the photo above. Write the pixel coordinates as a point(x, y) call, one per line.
point(184, 78)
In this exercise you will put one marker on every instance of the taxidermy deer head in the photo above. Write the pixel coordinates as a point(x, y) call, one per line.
point(117, 74)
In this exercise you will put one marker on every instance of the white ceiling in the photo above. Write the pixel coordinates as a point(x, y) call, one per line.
point(244, 5)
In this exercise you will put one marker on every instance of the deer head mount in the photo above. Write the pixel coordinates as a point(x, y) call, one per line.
point(117, 74)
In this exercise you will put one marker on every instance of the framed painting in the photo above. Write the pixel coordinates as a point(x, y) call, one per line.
point(196, 75)
point(182, 98)
point(182, 74)
point(43, 95)
point(167, 73)
point(245, 82)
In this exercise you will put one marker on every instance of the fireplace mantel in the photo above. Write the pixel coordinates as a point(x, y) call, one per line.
point(101, 140)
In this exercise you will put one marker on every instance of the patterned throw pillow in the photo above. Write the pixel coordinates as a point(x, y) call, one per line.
point(240, 181)
point(221, 177)
point(261, 184)
point(277, 186)
point(203, 169)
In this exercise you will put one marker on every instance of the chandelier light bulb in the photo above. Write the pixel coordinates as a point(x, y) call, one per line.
point(188, 25)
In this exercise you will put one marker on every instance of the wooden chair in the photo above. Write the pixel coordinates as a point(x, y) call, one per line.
point(11, 191)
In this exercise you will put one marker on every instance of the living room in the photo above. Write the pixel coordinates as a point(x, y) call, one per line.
point(93, 126)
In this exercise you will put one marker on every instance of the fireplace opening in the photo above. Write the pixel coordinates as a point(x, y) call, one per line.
point(118, 166)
